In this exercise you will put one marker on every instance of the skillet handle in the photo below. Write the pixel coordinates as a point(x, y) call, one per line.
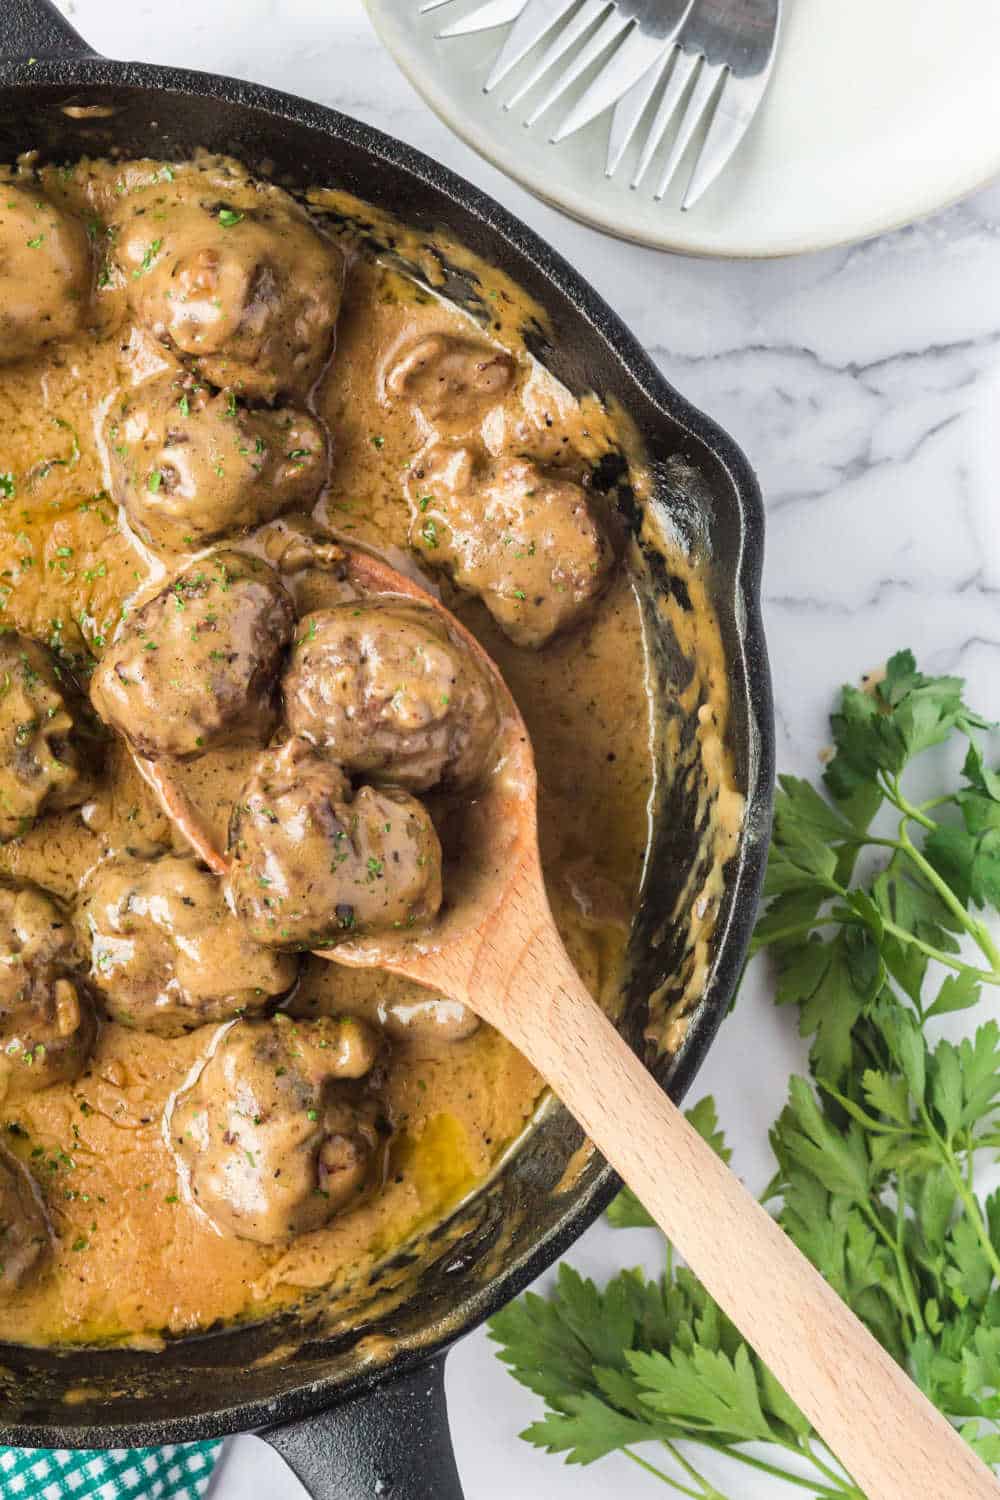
point(392, 1440)
point(35, 28)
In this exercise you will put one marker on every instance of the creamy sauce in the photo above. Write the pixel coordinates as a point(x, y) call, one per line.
point(131, 1256)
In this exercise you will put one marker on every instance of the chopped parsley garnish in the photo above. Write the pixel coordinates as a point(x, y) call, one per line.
point(146, 264)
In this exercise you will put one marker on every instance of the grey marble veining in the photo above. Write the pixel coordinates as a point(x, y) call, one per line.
point(863, 383)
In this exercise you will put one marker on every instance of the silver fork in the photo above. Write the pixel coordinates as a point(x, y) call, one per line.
point(727, 46)
point(640, 30)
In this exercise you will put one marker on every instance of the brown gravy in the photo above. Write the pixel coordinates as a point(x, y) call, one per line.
point(131, 1257)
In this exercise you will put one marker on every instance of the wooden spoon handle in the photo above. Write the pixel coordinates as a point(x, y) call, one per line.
point(889, 1437)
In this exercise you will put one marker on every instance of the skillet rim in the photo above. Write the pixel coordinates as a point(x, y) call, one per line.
point(749, 675)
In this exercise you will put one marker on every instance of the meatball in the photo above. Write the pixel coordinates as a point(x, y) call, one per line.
point(166, 953)
point(197, 666)
point(45, 272)
point(50, 745)
point(252, 293)
point(312, 865)
point(389, 693)
point(189, 466)
point(271, 1140)
point(525, 539)
point(452, 382)
point(25, 1237)
point(34, 928)
point(47, 1020)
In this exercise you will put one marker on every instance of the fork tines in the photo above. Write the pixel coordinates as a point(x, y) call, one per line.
point(713, 56)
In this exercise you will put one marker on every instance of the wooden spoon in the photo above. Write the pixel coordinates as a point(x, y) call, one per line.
point(498, 951)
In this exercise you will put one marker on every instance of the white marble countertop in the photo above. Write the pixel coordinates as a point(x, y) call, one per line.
point(863, 385)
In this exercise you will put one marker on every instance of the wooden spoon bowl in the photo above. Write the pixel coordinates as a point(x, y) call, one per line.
point(497, 950)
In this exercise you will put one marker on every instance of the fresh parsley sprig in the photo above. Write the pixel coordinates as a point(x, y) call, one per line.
point(876, 1153)
point(655, 1360)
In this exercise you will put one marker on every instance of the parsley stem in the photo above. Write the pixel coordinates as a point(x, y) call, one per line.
point(969, 1201)
point(824, 1468)
point(950, 961)
point(983, 1143)
point(902, 1264)
point(895, 1246)
point(814, 1486)
point(726, 1450)
point(794, 929)
point(932, 802)
point(911, 813)
point(977, 929)
point(958, 1182)
point(988, 976)
point(708, 1490)
point(682, 1489)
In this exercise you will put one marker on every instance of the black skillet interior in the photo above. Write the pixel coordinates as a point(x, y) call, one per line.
point(234, 1378)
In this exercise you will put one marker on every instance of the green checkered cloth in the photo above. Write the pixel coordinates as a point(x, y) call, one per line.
point(177, 1472)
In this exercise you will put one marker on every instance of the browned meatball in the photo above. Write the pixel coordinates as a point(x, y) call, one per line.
point(452, 382)
point(189, 466)
point(312, 865)
point(45, 272)
point(166, 953)
point(50, 745)
point(197, 666)
point(25, 1236)
point(47, 1020)
point(34, 928)
point(251, 293)
point(271, 1140)
point(389, 693)
point(525, 539)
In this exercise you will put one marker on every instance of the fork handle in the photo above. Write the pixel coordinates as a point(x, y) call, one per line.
point(889, 1437)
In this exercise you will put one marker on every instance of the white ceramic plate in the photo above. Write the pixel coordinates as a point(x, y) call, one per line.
point(879, 111)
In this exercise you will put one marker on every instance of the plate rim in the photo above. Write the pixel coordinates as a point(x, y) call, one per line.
point(388, 30)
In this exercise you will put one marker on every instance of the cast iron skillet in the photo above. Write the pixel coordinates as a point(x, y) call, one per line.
point(357, 1407)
